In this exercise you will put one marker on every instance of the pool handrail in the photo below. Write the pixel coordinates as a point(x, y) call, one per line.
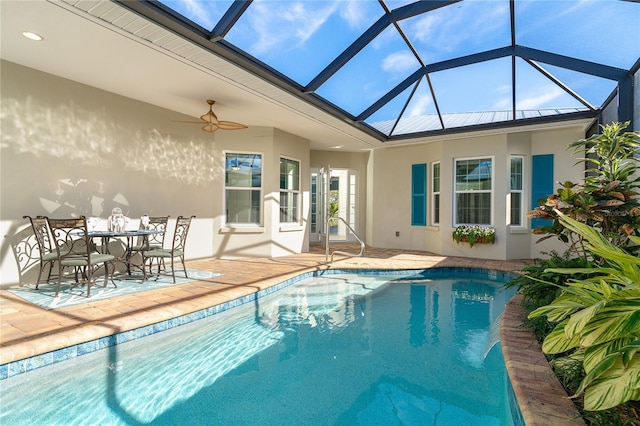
point(362, 245)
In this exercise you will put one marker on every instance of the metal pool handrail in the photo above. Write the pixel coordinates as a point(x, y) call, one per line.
point(362, 245)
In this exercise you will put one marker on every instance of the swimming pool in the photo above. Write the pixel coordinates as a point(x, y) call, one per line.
point(411, 348)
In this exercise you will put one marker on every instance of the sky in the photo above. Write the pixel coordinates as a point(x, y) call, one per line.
point(300, 38)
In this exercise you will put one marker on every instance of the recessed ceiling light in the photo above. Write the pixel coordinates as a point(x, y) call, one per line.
point(32, 36)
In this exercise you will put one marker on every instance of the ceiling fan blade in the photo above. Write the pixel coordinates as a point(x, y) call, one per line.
point(209, 117)
point(211, 122)
point(230, 125)
point(210, 127)
point(188, 122)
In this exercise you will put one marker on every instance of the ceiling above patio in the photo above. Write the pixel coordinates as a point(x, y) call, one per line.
point(400, 69)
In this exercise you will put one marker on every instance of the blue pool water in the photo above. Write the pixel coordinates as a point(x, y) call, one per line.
point(337, 350)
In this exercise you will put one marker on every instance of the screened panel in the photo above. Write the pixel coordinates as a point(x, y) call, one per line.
point(204, 13)
point(605, 32)
point(454, 31)
point(357, 54)
point(385, 62)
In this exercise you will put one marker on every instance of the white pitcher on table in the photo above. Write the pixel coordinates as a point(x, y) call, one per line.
point(117, 222)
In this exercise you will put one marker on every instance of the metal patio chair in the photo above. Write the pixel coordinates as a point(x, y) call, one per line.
point(176, 250)
point(149, 242)
point(46, 253)
point(75, 249)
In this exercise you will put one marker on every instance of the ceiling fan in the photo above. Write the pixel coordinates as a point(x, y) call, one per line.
point(211, 122)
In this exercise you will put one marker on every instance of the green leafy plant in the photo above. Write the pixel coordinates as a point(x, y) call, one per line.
point(598, 320)
point(474, 234)
point(607, 199)
point(538, 285)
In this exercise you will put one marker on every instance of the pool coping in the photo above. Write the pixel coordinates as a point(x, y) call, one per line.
point(542, 399)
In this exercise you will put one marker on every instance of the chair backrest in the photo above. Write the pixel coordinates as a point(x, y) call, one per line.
point(181, 231)
point(70, 236)
point(41, 232)
point(157, 223)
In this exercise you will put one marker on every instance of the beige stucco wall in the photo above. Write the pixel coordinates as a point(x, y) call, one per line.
point(357, 161)
point(391, 197)
point(70, 149)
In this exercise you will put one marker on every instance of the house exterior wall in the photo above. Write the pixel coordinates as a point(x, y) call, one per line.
point(357, 161)
point(391, 197)
point(70, 149)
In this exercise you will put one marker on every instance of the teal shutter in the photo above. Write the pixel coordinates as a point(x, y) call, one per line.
point(542, 184)
point(419, 195)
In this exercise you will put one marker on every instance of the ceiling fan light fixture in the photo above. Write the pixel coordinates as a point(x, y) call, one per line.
point(211, 122)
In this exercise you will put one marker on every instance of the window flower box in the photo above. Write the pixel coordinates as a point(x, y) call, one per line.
point(474, 234)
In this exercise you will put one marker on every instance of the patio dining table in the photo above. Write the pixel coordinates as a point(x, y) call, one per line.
point(129, 236)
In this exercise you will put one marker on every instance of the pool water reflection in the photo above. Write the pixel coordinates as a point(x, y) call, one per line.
point(341, 349)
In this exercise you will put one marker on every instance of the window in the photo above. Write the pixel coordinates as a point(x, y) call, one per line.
point(289, 190)
point(515, 191)
point(243, 188)
point(473, 191)
point(418, 194)
point(435, 193)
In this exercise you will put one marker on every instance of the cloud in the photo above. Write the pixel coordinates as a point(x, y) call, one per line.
point(457, 27)
point(193, 10)
point(424, 29)
point(353, 13)
point(543, 96)
point(287, 25)
point(399, 62)
point(419, 106)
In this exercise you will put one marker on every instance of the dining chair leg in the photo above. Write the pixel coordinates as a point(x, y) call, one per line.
point(173, 271)
point(183, 266)
point(89, 277)
point(39, 277)
point(59, 280)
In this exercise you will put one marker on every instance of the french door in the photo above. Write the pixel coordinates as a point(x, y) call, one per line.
point(333, 195)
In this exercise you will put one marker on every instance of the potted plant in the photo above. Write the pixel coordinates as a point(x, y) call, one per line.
point(474, 234)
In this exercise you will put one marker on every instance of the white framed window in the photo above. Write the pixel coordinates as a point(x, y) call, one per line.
point(243, 188)
point(289, 190)
point(473, 191)
point(516, 196)
point(435, 193)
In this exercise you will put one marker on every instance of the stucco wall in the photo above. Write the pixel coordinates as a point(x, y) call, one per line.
point(354, 161)
point(391, 204)
point(391, 197)
point(70, 149)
